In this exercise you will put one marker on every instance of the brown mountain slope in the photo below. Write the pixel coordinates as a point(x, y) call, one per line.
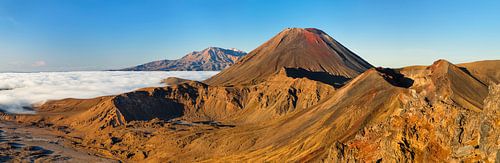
point(486, 71)
point(310, 49)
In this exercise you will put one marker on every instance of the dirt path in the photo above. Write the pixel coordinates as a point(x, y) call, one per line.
point(29, 144)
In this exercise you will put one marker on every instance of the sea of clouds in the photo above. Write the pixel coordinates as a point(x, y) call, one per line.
point(19, 91)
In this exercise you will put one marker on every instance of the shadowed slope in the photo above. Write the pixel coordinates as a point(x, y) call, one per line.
point(324, 77)
point(486, 71)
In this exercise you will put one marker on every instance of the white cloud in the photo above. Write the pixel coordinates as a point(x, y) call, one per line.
point(39, 64)
point(18, 90)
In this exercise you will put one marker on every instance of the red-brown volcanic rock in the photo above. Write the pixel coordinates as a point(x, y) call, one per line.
point(310, 49)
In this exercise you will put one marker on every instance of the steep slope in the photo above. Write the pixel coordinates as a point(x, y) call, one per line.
point(486, 71)
point(451, 83)
point(209, 59)
point(310, 49)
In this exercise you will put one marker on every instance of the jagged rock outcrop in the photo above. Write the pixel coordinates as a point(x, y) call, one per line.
point(432, 124)
point(209, 59)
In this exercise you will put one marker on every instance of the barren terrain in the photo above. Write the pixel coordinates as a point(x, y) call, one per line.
point(300, 97)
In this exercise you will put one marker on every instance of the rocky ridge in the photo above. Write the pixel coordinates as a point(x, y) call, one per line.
point(209, 59)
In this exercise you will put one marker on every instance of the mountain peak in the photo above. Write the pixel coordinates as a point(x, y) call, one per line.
point(213, 48)
point(211, 51)
point(441, 65)
point(209, 59)
point(303, 31)
point(441, 61)
point(312, 35)
point(306, 48)
point(235, 49)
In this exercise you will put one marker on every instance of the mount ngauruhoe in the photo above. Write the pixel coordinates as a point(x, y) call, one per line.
point(299, 97)
point(307, 49)
point(209, 59)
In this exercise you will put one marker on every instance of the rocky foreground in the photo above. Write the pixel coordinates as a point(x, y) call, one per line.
point(280, 103)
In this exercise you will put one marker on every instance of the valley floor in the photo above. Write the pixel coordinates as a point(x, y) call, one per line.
point(20, 143)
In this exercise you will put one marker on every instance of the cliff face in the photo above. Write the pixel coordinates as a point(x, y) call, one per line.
point(304, 110)
point(210, 59)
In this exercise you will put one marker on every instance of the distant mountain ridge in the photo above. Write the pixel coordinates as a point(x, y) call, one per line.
point(209, 59)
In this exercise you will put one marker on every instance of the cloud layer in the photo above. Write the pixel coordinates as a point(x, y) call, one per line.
point(20, 90)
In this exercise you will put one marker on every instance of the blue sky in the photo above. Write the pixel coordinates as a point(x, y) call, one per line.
point(64, 35)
